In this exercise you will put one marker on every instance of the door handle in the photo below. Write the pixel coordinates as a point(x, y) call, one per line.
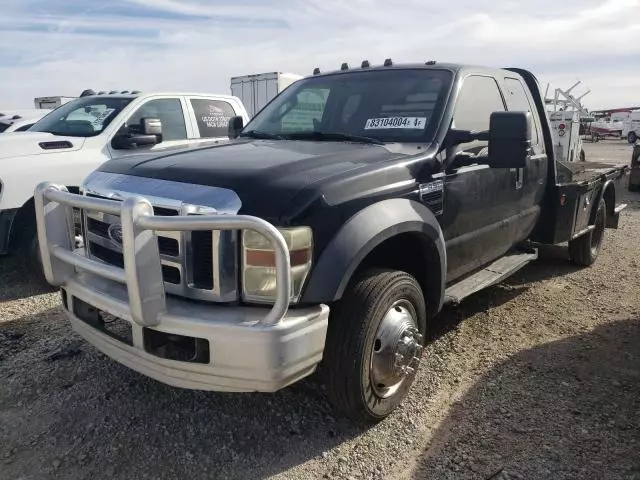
point(519, 177)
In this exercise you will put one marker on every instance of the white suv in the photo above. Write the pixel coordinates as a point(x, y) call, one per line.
point(74, 139)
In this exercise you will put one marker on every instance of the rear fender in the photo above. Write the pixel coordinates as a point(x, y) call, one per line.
point(608, 193)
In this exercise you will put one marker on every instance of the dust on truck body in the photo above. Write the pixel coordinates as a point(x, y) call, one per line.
point(247, 265)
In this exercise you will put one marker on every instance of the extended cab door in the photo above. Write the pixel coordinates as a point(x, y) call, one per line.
point(483, 212)
point(532, 178)
point(171, 110)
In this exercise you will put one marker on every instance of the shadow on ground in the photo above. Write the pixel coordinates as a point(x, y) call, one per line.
point(17, 282)
point(567, 409)
point(67, 409)
point(553, 262)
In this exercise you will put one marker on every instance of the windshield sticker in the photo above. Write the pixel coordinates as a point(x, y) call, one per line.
point(409, 123)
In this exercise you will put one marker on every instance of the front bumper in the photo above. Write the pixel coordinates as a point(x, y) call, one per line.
point(245, 348)
point(245, 356)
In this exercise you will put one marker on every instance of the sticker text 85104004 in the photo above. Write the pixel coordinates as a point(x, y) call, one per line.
point(412, 123)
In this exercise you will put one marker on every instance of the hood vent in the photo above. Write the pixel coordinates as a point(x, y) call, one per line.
point(55, 145)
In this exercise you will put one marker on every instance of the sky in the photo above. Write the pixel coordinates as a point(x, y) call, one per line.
point(61, 47)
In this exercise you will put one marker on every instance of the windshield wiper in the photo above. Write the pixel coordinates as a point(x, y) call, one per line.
point(332, 136)
point(261, 135)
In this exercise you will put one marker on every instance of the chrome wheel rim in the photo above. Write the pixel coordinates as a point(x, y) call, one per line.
point(396, 351)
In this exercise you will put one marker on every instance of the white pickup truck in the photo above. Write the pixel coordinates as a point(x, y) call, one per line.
point(75, 138)
point(21, 120)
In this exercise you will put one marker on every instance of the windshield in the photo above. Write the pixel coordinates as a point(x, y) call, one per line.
point(389, 106)
point(83, 117)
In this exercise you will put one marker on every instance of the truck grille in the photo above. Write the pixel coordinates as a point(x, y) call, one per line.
point(189, 259)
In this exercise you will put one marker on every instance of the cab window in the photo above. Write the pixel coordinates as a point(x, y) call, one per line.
point(477, 100)
point(212, 117)
point(518, 101)
point(168, 111)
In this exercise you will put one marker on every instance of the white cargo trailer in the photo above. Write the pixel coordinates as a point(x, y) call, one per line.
point(51, 102)
point(257, 90)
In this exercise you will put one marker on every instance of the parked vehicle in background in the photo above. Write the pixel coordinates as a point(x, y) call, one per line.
point(19, 121)
point(330, 242)
point(566, 116)
point(634, 176)
point(631, 127)
point(78, 136)
point(568, 142)
point(256, 90)
point(603, 128)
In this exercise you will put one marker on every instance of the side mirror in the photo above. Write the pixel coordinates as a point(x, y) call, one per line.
point(148, 132)
point(150, 126)
point(509, 139)
point(236, 124)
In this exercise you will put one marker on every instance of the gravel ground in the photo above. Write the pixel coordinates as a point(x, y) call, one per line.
point(536, 378)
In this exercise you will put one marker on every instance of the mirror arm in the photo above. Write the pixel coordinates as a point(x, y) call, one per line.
point(482, 136)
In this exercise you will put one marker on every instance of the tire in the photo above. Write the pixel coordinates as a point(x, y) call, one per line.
point(26, 246)
point(632, 137)
point(34, 260)
point(366, 330)
point(583, 158)
point(584, 250)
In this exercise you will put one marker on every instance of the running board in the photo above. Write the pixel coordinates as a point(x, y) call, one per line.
point(490, 275)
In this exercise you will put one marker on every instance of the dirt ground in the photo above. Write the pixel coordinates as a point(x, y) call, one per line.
point(535, 378)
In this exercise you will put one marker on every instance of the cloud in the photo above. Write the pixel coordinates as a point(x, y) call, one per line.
point(193, 45)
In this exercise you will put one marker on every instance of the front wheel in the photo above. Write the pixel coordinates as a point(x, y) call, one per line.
point(34, 260)
point(584, 250)
point(632, 137)
point(374, 344)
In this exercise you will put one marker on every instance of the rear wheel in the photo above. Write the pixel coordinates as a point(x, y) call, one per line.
point(374, 344)
point(584, 250)
point(583, 158)
point(632, 137)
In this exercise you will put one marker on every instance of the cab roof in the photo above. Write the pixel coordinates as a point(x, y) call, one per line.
point(153, 94)
point(388, 64)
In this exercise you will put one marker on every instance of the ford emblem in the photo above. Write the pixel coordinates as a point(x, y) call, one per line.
point(114, 232)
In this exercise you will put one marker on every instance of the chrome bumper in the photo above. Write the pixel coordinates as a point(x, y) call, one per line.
point(248, 350)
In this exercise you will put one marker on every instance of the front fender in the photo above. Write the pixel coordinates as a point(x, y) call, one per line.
point(20, 175)
point(361, 234)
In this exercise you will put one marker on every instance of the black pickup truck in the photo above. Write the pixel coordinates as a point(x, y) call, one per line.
point(634, 174)
point(329, 231)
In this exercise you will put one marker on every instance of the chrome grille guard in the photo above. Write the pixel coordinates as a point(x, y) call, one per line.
point(142, 273)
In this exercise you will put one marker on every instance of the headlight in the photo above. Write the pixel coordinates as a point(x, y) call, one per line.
point(259, 259)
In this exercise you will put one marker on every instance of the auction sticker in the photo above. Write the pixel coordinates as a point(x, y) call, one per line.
point(411, 123)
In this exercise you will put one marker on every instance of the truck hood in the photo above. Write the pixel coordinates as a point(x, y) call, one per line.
point(266, 174)
point(19, 144)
